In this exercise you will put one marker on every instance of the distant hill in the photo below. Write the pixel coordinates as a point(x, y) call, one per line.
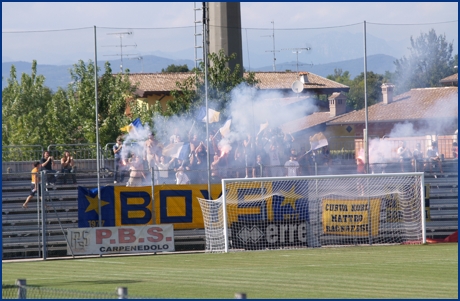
point(378, 63)
point(58, 75)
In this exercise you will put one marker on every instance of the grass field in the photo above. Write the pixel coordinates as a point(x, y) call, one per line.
point(409, 271)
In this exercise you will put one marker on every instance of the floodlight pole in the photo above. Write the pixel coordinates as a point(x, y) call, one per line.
point(97, 130)
point(366, 134)
point(205, 58)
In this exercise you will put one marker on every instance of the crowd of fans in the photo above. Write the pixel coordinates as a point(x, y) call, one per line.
point(270, 153)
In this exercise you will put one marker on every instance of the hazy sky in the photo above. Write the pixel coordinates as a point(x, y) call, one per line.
point(55, 32)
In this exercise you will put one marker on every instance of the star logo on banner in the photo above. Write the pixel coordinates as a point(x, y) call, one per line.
point(290, 197)
point(93, 204)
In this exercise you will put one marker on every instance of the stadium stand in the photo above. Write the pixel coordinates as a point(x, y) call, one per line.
point(21, 229)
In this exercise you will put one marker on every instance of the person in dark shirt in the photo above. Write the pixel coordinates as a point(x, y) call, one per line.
point(47, 166)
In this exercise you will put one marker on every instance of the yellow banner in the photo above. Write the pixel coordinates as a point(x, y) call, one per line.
point(178, 204)
point(351, 217)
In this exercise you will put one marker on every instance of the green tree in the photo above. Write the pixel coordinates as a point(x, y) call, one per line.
point(174, 68)
point(429, 61)
point(355, 99)
point(115, 92)
point(32, 114)
point(26, 110)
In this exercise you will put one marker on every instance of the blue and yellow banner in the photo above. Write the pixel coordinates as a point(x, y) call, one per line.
point(134, 206)
point(178, 205)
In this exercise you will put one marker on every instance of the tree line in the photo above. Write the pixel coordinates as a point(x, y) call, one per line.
point(33, 114)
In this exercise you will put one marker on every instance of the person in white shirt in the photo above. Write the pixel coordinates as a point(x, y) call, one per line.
point(163, 170)
point(405, 157)
point(181, 177)
point(292, 166)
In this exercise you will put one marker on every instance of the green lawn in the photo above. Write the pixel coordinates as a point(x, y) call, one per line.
point(410, 271)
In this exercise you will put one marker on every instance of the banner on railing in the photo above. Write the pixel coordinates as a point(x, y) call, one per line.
point(351, 217)
point(133, 206)
point(118, 240)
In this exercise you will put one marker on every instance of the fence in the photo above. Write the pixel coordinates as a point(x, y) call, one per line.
point(21, 290)
point(17, 159)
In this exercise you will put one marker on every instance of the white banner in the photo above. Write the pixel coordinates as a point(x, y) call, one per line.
point(118, 240)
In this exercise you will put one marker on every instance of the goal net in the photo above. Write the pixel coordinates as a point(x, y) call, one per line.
point(316, 211)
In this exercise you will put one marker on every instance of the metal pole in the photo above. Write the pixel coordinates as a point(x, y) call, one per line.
point(274, 54)
point(22, 290)
point(39, 195)
point(97, 131)
point(43, 187)
point(205, 54)
point(422, 203)
point(153, 196)
point(240, 295)
point(366, 145)
point(122, 292)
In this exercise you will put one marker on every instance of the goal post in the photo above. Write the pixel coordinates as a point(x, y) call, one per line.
point(316, 211)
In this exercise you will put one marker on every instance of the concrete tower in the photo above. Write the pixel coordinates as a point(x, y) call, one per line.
point(225, 30)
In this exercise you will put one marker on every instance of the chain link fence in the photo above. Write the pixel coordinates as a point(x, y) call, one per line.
point(22, 291)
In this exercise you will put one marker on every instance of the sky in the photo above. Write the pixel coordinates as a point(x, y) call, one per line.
point(58, 33)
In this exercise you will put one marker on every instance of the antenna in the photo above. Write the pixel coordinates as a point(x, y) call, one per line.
point(297, 51)
point(140, 58)
point(121, 34)
point(274, 56)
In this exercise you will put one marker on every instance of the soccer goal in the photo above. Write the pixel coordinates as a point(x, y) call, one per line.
point(316, 211)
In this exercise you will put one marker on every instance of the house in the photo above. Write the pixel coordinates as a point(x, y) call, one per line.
point(417, 116)
point(152, 87)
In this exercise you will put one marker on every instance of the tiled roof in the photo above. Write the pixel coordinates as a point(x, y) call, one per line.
point(416, 104)
point(158, 82)
point(450, 79)
point(284, 80)
point(166, 82)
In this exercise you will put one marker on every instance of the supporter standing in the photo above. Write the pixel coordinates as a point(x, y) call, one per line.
point(249, 155)
point(433, 157)
point(136, 173)
point(34, 184)
point(275, 163)
point(150, 151)
point(163, 170)
point(404, 157)
point(259, 170)
point(239, 164)
point(181, 176)
point(417, 158)
point(305, 168)
point(117, 154)
point(292, 166)
point(47, 165)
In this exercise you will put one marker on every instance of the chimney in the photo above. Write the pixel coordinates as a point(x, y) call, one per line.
point(387, 92)
point(337, 104)
point(304, 78)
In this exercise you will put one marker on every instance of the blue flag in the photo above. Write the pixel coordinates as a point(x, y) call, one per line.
point(136, 124)
point(88, 207)
point(213, 115)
